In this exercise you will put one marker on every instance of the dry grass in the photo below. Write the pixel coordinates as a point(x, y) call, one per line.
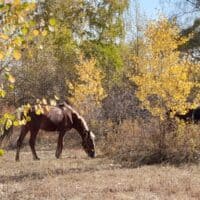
point(135, 143)
point(75, 176)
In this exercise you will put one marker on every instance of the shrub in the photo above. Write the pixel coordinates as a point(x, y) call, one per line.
point(134, 143)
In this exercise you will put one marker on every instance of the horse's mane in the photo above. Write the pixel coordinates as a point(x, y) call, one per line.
point(92, 135)
point(76, 115)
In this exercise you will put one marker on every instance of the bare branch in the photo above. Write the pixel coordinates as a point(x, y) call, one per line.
point(189, 1)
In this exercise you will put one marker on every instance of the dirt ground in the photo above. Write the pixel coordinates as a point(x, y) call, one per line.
point(77, 177)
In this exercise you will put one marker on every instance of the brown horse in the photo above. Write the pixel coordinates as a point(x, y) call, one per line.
point(61, 118)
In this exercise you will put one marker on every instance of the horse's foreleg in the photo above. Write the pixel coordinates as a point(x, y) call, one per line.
point(32, 144)
point(24, 131)
point(60, 144)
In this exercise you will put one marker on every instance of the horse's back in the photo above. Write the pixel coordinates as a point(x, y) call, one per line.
point(55, 115)
point(49, 120)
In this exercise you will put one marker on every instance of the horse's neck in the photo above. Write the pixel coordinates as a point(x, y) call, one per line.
point(79, 124)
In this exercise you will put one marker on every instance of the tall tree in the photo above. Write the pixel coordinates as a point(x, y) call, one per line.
point(17, 29)
point(87, 93)
point(164, 81)
point(91, 27)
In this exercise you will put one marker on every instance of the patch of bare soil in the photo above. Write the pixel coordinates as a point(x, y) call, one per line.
point(77, 177)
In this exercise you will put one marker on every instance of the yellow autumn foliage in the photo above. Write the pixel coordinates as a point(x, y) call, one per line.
point(15, 24)
point(90, 83)
point(163, 77)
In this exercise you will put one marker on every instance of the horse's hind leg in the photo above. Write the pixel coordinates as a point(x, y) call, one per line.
point(60, 144)
point(32, 143)
point(24, 131)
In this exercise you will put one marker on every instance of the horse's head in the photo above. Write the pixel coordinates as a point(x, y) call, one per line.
point(88, 144)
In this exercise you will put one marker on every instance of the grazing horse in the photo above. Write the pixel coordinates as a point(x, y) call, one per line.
point(57, 118)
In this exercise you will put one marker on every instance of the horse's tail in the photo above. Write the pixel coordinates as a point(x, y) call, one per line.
point(7, 132)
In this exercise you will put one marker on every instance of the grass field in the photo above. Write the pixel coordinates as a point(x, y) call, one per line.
point(75, 176)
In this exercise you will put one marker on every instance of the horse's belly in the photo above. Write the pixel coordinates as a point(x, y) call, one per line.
point(48, 126)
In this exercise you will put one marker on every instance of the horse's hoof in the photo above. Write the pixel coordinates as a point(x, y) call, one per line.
point(58, 156)
point(17, 159)
point(36, 158)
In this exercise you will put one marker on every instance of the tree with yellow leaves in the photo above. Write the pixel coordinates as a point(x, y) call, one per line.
point(88, 92)
point(163, 77)
point(17, 29)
